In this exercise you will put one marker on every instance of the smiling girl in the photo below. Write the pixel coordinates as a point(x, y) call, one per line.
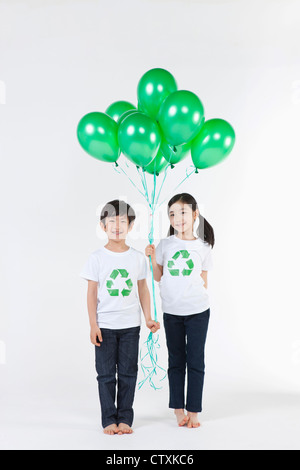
point(180, 264)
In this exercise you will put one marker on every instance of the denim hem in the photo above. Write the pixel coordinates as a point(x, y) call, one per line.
point(193, 410)
point(176, 407)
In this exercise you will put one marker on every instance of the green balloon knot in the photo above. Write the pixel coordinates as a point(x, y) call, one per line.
point(172, 166)
point(116, 164)
point(196, 170)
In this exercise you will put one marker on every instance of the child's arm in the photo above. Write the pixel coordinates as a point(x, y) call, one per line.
point(157, 268)
point(204, 277)
point(144, 296)
point(92, 311)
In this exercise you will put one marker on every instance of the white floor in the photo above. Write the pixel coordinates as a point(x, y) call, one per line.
point(234, 418)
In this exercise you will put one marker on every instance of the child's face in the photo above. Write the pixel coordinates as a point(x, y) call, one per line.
point(182, 217)
point(116, 227)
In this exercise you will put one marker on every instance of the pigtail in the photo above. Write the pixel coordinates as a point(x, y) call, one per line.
point(171, 231)
point(205, 231)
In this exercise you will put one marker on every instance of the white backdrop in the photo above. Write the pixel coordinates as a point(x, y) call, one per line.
point(61, 59)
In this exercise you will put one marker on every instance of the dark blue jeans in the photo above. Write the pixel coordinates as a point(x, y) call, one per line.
point(186, 337)
point(117, 364)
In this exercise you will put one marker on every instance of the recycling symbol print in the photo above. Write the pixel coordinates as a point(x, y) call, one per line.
point(181, 263)
point(121, 286)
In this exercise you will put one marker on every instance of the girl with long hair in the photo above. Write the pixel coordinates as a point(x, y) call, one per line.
point(180, 265)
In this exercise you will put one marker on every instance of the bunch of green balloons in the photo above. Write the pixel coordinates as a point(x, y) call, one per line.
point(164, 128)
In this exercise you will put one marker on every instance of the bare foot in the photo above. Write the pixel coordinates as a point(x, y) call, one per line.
point(111, 429)
point(182, 419)
point(193, 420)
point(124, 429)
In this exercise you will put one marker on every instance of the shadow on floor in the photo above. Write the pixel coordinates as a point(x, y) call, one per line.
point(223, 405)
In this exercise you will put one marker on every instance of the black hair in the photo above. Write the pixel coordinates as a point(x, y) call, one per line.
point(204, 230)
point(115, 208)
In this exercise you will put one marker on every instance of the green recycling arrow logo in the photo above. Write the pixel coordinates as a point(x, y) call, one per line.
point(125, 292)
point(189, 265)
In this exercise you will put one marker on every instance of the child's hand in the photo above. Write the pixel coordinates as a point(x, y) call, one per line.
point(150, 251)
point(153, 325)
point(96, 336)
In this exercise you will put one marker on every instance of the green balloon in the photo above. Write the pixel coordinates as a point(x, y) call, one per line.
point(153, 88)
point(98, 136)
point(213, 143)
point(139, 138)
point(180, 117)
point(174, 154)
point(157, 165)
point(127, 113)
point(116, 109)
point(139, 107)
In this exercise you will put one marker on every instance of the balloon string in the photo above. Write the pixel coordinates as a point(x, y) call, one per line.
point(163, 181)
point(151, 344)
point(151, 204)
point(194, 170)
point(117, 168)
point(151, 239)
point(141, 173)
point(151, 370)
point(151, 233)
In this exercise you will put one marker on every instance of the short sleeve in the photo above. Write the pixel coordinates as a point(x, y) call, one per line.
point(90, 270)
point(144, 270)
point(159, 254)
point(207, 263)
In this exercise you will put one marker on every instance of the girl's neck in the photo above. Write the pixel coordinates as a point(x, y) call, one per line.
point(185, 236)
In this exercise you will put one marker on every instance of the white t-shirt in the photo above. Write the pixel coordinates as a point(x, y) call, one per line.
point(118, 304)
point(181, 286)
